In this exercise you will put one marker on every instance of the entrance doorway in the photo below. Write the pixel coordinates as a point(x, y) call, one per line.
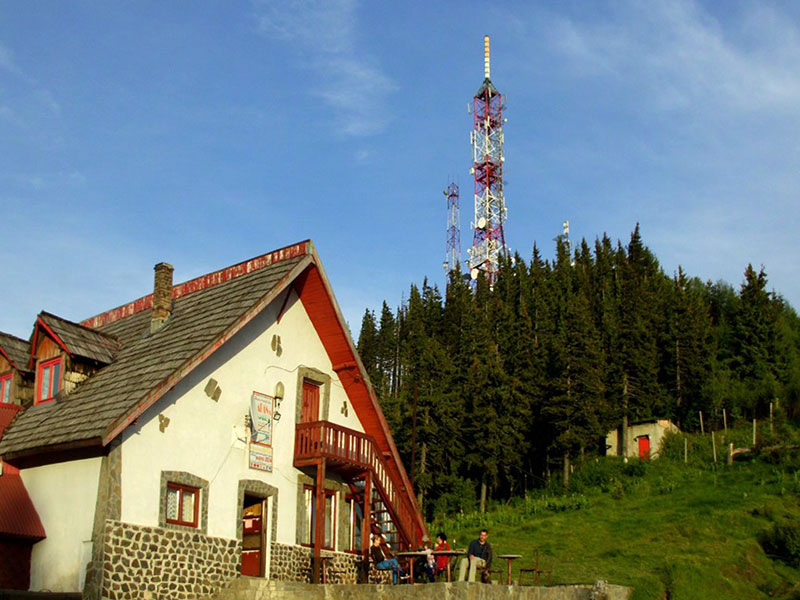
point(310, 410)
point(644, 447)
point(256, 536)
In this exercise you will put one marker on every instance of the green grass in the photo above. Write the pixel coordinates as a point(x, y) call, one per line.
point(690, 529)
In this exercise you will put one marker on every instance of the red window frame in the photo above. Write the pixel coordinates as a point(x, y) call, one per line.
point(5, 388)
point(183, 489)
point(54, 382)
point(312, 520)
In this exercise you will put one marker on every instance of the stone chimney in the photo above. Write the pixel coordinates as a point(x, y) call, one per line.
point(162, 296)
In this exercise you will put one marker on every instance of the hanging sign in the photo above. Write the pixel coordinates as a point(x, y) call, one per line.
point(261, 457)
point(261, 410)
point(261, 414)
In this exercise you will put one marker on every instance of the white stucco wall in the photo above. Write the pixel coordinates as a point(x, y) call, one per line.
point(656, 430)
point(203, 435)
point(64, 495)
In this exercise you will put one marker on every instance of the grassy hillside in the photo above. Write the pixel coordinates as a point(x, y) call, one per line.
point(669, 529)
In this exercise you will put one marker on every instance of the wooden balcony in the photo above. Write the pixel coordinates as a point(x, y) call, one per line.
point(351, 453)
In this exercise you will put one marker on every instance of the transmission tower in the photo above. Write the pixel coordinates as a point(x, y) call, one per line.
point(452, 254)
point(488, 242)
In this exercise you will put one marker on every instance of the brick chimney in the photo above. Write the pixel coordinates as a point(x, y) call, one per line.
point(162, 296)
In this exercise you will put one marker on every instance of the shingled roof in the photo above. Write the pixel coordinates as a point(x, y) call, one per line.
point(79, 340)
point(207, 311)
point(17, 351)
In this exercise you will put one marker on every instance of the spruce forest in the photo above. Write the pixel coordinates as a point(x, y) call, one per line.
point(494, 391)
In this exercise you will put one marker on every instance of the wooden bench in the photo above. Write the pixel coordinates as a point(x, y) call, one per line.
point(537, 571)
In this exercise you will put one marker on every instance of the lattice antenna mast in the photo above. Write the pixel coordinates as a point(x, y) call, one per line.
point(488, 242)
point(452, 254)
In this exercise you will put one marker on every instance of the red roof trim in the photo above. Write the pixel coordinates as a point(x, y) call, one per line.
point(167, 384)
point(51, 333)
point(201, 283)
point(8, 358)
point(321, 308)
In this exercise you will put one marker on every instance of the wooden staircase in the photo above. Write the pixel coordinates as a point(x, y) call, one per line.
point(353, 455)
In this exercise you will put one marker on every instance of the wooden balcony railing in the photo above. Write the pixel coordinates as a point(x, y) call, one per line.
point(340, 445)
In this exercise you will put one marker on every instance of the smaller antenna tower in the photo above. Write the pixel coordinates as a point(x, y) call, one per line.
point(564, 237)
point(452, 254)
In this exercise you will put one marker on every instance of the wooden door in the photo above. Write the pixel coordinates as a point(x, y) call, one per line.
point(252, 538)
point(644, 447)
point(310, 411)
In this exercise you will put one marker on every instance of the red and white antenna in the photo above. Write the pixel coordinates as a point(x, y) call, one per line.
point(488, 242)
point(452, 253)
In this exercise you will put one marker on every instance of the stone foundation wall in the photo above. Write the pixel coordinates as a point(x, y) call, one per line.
point(293, 563)
point(152, 562)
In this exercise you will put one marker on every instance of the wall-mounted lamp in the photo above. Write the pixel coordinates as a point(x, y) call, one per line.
point(279, 393)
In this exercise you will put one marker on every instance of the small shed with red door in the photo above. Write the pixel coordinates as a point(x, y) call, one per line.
point(643, 439)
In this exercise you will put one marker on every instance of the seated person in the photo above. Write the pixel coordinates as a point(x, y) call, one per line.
point(427, 563)
point(383, 560)
point(479, 554)
point(441, 544)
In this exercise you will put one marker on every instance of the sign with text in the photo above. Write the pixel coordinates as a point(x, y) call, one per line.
point(261, 408)
point(261, 457)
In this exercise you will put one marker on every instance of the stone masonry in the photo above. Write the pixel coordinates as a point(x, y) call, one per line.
point(293, 563)
point(153, 562)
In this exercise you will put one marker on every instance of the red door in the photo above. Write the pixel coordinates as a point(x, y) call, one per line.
point(644, 447)
point(310, 410)
point(252, 543)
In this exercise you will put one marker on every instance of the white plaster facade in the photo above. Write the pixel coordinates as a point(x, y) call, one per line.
point(204, 437)
point(207, 438)
point(64, 495)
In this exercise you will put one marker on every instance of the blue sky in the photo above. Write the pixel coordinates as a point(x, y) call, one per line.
point(205, 133)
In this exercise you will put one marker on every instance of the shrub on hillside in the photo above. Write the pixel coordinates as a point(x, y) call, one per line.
point(782, 542)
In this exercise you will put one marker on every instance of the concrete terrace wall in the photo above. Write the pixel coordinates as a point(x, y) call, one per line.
point(254, 589)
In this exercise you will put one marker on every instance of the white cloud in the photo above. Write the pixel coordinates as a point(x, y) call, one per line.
point(681, 56)
point(323, 34)
point(7, 61)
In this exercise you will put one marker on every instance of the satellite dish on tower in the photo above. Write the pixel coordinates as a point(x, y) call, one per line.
point(474, 273)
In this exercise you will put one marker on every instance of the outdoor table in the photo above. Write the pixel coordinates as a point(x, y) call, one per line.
point(411, 558)
point(509, 558)
point(449, 553)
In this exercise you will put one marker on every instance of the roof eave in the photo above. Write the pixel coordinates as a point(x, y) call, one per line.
point(42, 451)
point(370, 390)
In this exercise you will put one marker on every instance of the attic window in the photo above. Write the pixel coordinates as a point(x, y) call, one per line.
point(5, 388)
point(48, 380)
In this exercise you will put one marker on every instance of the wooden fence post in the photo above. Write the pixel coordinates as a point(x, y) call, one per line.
point(686, 450)
point(702, 430)
point(730, 454)
point(714, 446)
point(770, 418)
point(725, 419)
point(754, 432)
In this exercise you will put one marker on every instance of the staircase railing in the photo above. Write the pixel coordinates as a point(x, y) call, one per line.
point(319, 439)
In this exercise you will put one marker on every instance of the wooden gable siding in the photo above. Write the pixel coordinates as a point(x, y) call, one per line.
point(21, 383)
point(46, 349)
